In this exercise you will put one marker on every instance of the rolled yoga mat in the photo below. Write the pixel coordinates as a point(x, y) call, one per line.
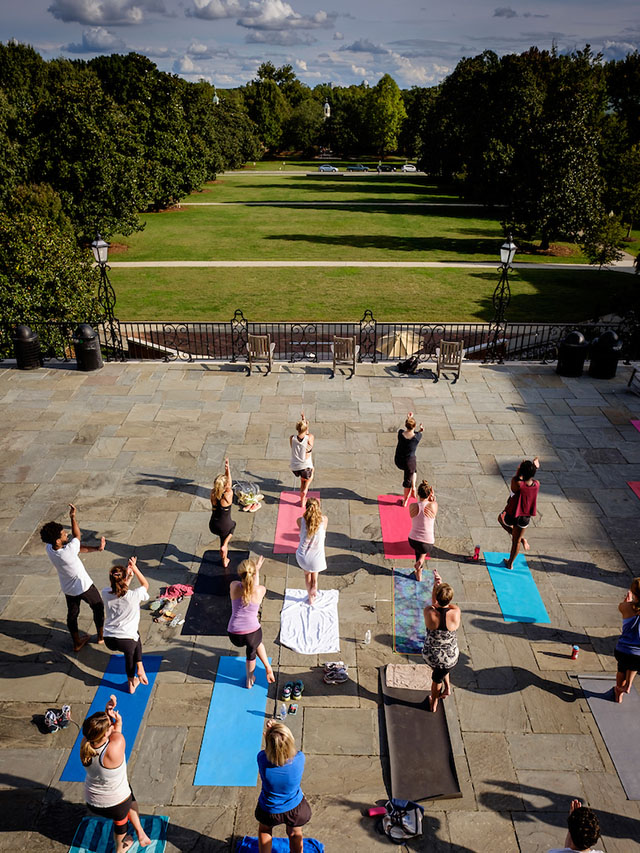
point(618, 724)
point(410, 597)
point(209, 607)
point(95, 835)
point(420, 756)
point(516, 590)
point(395, 522)
point(233, 731)
point(131, 705)
point(287, 532)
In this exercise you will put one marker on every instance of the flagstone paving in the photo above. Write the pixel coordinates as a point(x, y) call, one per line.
point(136, 448)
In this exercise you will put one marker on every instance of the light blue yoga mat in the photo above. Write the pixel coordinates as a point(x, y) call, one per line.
point(233, 731)
point(410, 597)
point(131, 706)
point(95, 835)
point(517, 592)
point(248, 844)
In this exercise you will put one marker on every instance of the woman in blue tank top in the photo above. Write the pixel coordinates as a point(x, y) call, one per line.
point(627, 651)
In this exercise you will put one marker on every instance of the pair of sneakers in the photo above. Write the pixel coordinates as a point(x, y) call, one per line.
point(335, 672)
point(56, 720)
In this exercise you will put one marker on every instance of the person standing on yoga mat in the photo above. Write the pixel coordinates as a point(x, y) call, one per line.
point(281, 800)
point(521, 506)
point(440, 651)
point(310, 552)
point(244, 627)
point(627, 650)
point(106, 788)
point(221, 524)
point(74, 580)
point(423, 518)
point(583, 830)
point(122, 606)
point(301, 445)
point(405, 458)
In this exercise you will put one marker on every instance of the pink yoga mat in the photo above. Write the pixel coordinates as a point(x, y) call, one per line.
point(636, 424)
point(396, 524)
point(635, 485)
point(287, 533)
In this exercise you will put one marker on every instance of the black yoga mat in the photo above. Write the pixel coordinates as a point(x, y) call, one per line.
point(209, 606)
point(420, 757)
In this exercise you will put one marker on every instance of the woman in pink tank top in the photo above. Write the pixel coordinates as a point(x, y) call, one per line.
point(423, 518)
point(244, 628)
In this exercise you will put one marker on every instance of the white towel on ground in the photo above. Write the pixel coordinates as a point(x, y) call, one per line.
point(310, 630)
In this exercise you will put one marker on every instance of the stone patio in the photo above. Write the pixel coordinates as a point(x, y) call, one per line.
point(136, 448)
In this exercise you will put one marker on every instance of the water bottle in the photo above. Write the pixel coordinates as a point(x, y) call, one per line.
point(367, 638)
point(282, 713)
point(575, 650)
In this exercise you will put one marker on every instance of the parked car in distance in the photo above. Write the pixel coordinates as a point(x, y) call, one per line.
point(357, 167)
point(385, 167)
point(409, 167)
point(327, 167)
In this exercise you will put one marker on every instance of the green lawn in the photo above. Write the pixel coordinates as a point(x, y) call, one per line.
point(319, 233)
point(430, 295)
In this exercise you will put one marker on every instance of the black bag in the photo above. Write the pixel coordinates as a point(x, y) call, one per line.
point(410, 365)
point(402, 821)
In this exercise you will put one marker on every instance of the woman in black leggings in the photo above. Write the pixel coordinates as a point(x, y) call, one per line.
point(122, 617)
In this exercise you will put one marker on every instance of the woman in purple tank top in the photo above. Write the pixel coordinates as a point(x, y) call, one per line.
point(244, 626)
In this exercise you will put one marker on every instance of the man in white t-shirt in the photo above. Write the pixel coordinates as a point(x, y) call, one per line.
point(584, 830)
point(76, 584)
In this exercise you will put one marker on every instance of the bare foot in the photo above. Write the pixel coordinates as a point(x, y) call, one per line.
point(312, 597)
point(446, 691)
point(133, 684)
point(100, 641)
point(142, 675)
point(270, 676)
point(433, 704)
point(144, 840)
point(251, 680)
point(525, 544)
point(418, 573)
point(618, 693)
point(127, 843)
point(505, 563)
point(83, 642)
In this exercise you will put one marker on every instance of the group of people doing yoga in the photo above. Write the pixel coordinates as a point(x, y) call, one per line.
point(116, 614)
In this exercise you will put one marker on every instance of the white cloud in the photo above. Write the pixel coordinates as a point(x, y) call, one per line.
point(279, 15)
point(96, 40)
point(285, 38)
point(618, 49)
point(301, 65)
point(213, 10)
point(110, 12)
point(358, 70)
point(338, 36)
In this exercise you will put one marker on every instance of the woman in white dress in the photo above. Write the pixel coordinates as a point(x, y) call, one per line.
point(310, 553)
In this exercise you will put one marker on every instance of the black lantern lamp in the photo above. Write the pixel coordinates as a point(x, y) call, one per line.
point(501, 297)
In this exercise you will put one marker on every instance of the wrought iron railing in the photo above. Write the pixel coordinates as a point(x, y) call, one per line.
point(311, 342)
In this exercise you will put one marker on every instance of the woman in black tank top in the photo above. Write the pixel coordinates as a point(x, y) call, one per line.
point(221, 524)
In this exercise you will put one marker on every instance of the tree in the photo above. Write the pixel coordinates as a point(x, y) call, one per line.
point(385, 113)
point(601, 244)
point(305, 125)
point(268, 109)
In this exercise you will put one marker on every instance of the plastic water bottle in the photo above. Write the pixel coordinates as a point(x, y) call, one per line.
point(575, 651)
point(367, 638)
point(282, 713)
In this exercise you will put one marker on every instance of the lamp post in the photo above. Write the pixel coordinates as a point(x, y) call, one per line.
point(501, 299)
point(107, 301)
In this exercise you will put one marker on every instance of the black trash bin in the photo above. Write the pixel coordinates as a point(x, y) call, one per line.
point(572, 353)
point(86, 343)
point(26, 346)
point(605, 354)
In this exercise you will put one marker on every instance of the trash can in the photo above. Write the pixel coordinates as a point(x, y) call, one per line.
point(572, 353)
point(605, 354)
point(26, 345)
point(86, 343)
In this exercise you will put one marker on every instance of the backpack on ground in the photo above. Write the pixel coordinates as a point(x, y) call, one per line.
point(409, 365)
point(402, 821)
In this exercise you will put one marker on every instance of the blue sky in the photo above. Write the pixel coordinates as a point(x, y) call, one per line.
point(418, 42)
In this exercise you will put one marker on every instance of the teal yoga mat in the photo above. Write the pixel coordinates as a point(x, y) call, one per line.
point(233, 731)
point(131, 706)
point(95, 835)
point(516, 590)
point(410, 597)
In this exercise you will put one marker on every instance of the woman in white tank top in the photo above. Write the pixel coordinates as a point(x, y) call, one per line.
point(301, 463)
point(106, 786)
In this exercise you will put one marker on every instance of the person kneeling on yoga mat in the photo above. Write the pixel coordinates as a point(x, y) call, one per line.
point(440, 650)
point(244, 627)
point(281, 800)
point(122, 606)
point(106, 787)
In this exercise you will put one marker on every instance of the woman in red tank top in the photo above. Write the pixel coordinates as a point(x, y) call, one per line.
point(521, 506)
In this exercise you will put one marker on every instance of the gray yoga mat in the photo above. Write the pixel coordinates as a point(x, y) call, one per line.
point(209, 607)
point(420, 757)
point(618, 724)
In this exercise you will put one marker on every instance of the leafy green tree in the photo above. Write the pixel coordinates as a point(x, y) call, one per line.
point(419, 104)
point(385, 113)
point(602, 243)
point(305, 126)
point(269, 110)
point(348, 128)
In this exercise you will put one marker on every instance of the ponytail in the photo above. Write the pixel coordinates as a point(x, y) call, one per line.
point(94, 729)
point(118, 578)
point(247, 571)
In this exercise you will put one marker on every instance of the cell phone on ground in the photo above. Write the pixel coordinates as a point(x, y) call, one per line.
point(293, 708)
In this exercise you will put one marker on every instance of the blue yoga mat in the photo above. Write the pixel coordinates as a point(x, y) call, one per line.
point(233, 731)
point(410, 597)
point(517, 592)
point(280, 845)
point(131, 706)
point(95, 835)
